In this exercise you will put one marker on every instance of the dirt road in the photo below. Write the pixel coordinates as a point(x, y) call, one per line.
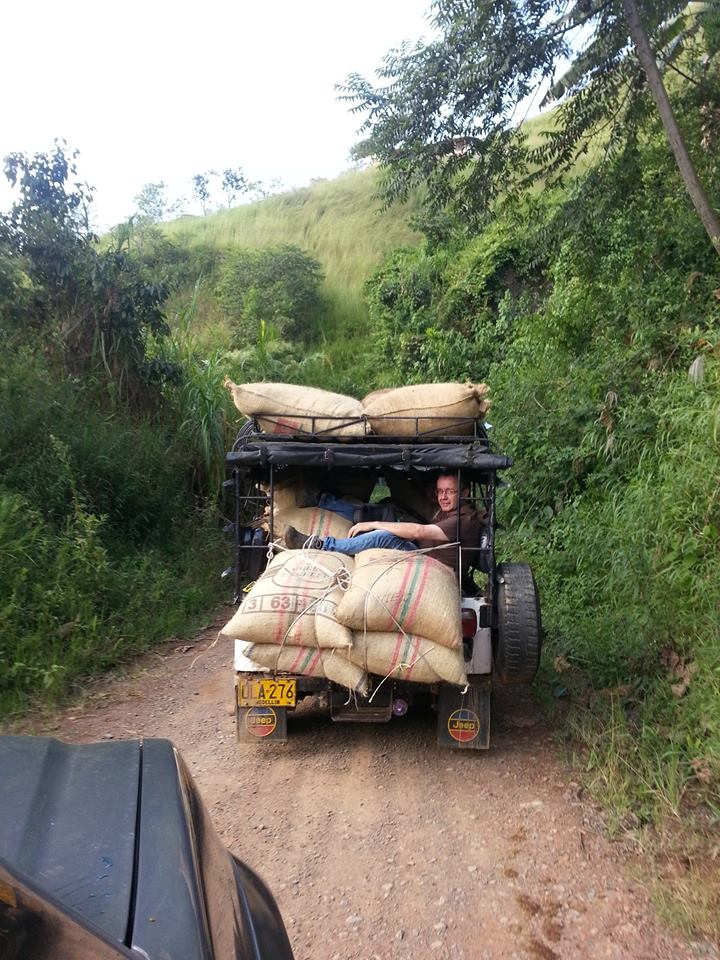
point(376, 843)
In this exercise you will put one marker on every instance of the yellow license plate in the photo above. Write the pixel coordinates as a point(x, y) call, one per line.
point(275, 692)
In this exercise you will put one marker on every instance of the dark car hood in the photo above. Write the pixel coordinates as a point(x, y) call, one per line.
point(117, 834)
point(69, 822)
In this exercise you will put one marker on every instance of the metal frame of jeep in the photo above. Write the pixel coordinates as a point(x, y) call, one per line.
point(500, 622)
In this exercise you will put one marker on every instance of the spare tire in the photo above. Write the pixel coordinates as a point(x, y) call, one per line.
point(518, 636)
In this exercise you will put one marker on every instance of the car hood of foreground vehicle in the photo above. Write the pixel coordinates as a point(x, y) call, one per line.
point(116, 834)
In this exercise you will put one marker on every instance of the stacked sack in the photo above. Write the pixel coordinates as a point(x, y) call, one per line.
point(311, 520)
point(291, 409)
point(404, 611)
point(288, 618)
point(426, 408)
point(322, 614)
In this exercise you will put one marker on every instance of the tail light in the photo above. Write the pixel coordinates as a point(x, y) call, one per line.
point(469, 623)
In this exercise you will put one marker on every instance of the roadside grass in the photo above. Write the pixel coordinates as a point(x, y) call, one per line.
point(648, 795)
point(684, 874)
point(103, 548)
point(71, 609)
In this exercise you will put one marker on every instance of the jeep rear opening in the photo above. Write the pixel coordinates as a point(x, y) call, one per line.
point(342, 629)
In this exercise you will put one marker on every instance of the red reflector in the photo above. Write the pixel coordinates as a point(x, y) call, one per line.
point(469, 623)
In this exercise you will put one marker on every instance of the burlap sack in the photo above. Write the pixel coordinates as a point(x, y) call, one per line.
point(290, 409)
point(294, 602)
point(310, 520)
point(441, 408)
point(284, 498)
point(407, 657)
point(332, 664)
point(376, 394)
point(391, 589)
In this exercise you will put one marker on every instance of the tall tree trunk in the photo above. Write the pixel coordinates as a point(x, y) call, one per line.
point(709, 217)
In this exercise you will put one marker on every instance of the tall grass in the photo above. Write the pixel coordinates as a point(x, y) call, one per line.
point(103, 549)
point(70, 606)
point(205, 413)
point(339, 222)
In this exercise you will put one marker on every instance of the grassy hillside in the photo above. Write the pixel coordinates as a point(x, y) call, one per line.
point(337, 221)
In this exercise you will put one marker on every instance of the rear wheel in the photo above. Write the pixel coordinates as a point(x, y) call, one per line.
point(518, 637)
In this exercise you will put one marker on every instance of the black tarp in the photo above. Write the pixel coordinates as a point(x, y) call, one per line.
point(465, 456)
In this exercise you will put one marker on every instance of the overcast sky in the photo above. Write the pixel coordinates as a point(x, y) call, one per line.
point(153, 90)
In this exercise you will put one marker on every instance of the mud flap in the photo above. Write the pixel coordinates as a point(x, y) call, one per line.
point(464, 718)
point(261, 724)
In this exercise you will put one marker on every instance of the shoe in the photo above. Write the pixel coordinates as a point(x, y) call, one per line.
point(294, 540)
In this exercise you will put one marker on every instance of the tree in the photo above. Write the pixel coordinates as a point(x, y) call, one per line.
point(448, 113)
point(201, 189)
point(97, 307)
point(152, 202)
point(708, 216)
point(234, 182)
point(275, 285)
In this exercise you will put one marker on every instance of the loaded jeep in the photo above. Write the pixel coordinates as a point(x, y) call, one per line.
point(500, 610)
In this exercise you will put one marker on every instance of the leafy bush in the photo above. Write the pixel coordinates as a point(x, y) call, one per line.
point(584, 311)
point(102, 545)
point(96, 308)
point(278, 285)
point(69, 607)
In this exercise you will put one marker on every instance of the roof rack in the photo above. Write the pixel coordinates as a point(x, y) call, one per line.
point(314, 428)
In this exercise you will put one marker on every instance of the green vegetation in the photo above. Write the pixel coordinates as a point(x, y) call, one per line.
point(591, 305)
point(278, 285)
point(593, 310)
point(108, 534)
point(445, 113)
point(336, 222)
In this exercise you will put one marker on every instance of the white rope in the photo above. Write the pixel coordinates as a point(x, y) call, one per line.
point(343, 579)
point(400, 666)
point(337, 578)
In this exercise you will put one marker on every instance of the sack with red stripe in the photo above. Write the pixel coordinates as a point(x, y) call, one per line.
point(309, 520)
point(294, 602)
point(407, 657)
point(392, 590)
point(332, 664)
point(284, 408)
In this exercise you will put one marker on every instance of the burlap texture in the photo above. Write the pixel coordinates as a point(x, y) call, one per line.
point(407, 657)
point(332, 664)
point(294, 602)
point(441, 408)
point(392, 590)
point(290, 409)
point(310, 520)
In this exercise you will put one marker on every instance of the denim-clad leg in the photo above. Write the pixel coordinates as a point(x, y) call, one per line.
point(328, 501)
point(375, 539)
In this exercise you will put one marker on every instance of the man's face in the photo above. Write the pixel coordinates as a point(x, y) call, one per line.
point(447, 493)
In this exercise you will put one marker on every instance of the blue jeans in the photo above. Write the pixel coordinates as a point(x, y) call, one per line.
point(375, 539)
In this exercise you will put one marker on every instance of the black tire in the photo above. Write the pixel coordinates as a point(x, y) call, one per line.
point(518, 636)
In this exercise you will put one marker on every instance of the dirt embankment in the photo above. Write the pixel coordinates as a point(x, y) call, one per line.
point(379, 845)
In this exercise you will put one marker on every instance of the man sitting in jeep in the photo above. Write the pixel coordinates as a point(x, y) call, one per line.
point(442, 529)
